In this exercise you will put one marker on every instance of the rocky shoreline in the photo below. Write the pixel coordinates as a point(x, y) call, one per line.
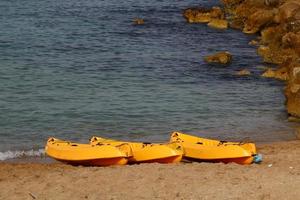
point(277, 25)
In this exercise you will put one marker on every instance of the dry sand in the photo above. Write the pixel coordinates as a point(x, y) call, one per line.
point(278, 177)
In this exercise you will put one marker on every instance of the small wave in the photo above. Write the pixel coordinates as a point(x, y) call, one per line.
point(19, 154)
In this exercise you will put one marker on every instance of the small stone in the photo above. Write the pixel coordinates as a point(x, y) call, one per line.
point(269, 73)
point(253, 42)
point(218, 23)
point(270, 165)
point(223, 57)
point(244, 72)
point(138, 21)
point(294, 119)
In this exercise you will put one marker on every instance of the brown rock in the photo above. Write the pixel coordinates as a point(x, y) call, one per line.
point(203, 15)
point(217, 13)
point(221, 57)
point(271, 2)
point(291, 40)
point(269, 73)
point(257, 20)
point(197, 15)
point(287, 11)
point(275, 55)
point(244, 72)
point(218, 23)
point(272, 34)
point(292, 90)
point(295, 119)
point(280, 74)
point(253, 42)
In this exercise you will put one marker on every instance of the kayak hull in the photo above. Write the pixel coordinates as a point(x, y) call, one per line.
point(84, 154)
point(144, 152)
point(97, 162)
point(208, 150)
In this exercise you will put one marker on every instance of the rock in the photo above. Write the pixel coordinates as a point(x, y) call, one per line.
point(291, 40)
point(221, 57)
point(138, 21)
point(217, 13)
point(272, 3)
point(275, 54)
point(203, 15)
point(218, 23)
point(287, 11)
point(272, 34)
point(280, 74)
point(292, 90)
point(244, 72)
point(197, 15)
point(257, 20)
point(253, 42)
point(269, 73)
point(294, 119)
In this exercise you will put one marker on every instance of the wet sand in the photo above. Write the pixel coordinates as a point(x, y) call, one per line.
point(278, 177)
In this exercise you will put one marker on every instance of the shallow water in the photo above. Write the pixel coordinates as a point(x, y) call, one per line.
point(79, 68)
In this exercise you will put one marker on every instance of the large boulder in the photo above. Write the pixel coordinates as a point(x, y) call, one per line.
point(288, 11)
point(272, 34)
point(257, 20)
point(223, 57)
point(292, 90)
point(292, 40)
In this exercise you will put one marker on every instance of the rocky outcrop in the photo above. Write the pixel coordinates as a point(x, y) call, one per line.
point(278, 24)
point(223, 57)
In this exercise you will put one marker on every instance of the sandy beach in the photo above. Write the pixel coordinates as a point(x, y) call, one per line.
point(63, 84)
point(278, 177)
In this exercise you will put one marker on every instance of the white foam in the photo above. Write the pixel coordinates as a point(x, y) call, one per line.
point(18, 154)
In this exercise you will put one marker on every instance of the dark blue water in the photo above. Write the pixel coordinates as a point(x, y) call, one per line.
point(77, 68)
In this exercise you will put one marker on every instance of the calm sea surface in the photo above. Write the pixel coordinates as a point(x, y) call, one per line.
point(77, 68)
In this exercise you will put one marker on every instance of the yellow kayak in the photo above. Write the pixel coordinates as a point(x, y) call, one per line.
point(144, 152)
point(214, 150)
point(84, 154)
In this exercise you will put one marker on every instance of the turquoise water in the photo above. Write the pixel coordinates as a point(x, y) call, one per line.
point(77, 68)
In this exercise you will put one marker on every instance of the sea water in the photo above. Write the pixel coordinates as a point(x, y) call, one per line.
point(77, 68)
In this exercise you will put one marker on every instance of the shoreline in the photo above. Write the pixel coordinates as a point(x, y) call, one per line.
point(43, 158)
point(277, 177)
